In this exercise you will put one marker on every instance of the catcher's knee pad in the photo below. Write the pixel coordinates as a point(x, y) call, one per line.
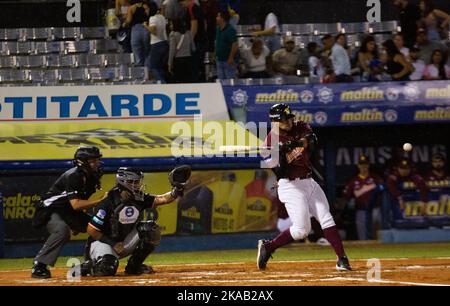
point(299, 233)
point(149, 232)
point(105, 265)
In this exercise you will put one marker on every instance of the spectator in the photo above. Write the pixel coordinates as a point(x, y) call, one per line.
point(314, 62)
point(271, 32)
point(256, 60)
point(438, 171)
point(409, 17)
point(210, 9)
point(396, 64)
point(434, 20)
point(286, 60)
point(180, 54)
point(377, 73)
point(366, 54)
point(395, 184)
point(197, 25)
point(341, 61)
point(364, 189)
point(159, 47)
point(234, 8)
point(427, 46)
point(417, 63)
point(121, 9)
point(226, 47)
point(124, 34)
point(328, 43)
point(137, 15)
point(172, 9)
point(400, 44)
point(437, 70)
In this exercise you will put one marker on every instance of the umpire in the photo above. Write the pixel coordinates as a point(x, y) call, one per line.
point(61, 208)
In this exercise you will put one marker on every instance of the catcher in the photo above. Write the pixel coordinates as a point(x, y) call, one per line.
point(116, 230)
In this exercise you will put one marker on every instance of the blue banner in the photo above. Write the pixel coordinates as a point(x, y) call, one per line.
point(348, 104)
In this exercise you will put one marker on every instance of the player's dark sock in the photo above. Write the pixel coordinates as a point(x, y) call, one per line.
point(332, 235)
point(282, 239)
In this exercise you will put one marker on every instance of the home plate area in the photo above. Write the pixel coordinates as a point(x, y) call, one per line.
point(393, 272)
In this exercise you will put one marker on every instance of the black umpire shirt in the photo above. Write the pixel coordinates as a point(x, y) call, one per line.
point(113, 212)
point(72, 184)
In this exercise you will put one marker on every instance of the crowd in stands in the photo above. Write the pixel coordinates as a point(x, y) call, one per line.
point(166, 35)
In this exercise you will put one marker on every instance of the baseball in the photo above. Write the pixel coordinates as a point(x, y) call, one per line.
point(407, 147)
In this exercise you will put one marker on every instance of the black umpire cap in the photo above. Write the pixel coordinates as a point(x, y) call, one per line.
point(280, 112)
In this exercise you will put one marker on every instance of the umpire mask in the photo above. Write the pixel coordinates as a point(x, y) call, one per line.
point(131, 180)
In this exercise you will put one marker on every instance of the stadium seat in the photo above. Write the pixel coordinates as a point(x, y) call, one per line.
point(104, 46)
point(76, 46)
point(71, 75)
point(12, 76)
point(9, 34)
point(30, 61)
point(70, 33)
point(101, 74)
point(49, 47)
point(7, 62)
point(35, 34)
point(93, 33)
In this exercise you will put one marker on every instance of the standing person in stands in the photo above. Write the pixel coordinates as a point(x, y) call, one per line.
point(271, 31)
point(138, 13)
point(409, 19)
point(434, 20)
point(159, 47)
point(366, 54)
point(397, 65)
point(341, 61)
point(196, 23)
point(181, 48)
point(226, 47)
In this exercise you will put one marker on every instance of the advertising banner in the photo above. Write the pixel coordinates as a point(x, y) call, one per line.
point(348, 104)
point(141, 139)
point(214, 202)
point(162, 102)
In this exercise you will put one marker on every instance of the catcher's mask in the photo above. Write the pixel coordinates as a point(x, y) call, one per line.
point(131, 180)
point(83, 155)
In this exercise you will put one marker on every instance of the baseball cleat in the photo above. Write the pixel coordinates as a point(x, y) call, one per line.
point(40, 271)
point(343, 264)
point(263, 255)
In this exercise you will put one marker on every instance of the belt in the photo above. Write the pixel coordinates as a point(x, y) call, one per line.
point(300, 177)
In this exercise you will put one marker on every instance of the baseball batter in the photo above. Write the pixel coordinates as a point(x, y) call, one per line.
point(301, 195)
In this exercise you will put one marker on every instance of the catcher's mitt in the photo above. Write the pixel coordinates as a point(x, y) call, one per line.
point(179, 176)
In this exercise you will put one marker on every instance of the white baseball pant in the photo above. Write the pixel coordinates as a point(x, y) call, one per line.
point(304, 199)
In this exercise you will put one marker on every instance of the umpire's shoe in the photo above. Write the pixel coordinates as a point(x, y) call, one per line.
point(263, 255)
point(343, 264)
point(40, 271)
point(142, 269)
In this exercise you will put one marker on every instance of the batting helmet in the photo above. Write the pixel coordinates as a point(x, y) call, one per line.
point(131, 180)
point(280, 112)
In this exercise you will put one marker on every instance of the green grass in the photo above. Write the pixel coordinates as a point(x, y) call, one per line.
point(294, 252)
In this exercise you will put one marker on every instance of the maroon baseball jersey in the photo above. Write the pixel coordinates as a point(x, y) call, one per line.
point(361, 188)
point(395, 184)
point(300, 167)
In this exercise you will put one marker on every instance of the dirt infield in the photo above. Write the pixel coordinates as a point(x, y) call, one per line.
point(394, 272)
